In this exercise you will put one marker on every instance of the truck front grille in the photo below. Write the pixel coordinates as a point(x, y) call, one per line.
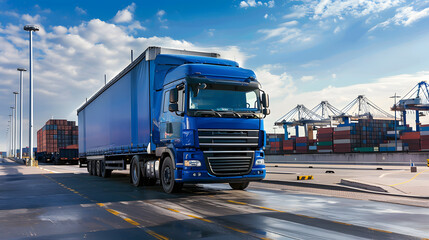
point(229, 163)
point(228, 152)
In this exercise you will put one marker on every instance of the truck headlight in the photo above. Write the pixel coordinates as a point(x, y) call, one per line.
point(192, 163)
point(259, 162)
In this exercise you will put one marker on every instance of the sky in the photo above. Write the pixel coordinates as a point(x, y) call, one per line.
point(302, 51)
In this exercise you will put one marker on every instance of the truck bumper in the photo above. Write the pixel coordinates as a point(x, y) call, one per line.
point(202, 176)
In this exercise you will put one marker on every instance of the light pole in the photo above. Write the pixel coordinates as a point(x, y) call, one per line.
point(31, 29)
point(396, 135)
point(12, 130)
point(21, 99)
point(10, 134)
point(15, 129)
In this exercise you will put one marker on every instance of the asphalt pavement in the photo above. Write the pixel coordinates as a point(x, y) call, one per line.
point(64, 202)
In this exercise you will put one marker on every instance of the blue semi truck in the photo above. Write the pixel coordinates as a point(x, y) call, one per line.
point(178, 117)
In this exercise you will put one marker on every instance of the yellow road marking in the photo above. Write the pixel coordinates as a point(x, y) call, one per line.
point(304, 216)
point(348, 224)
point(156, 235)
point(235, 229)
point(242, 203)
point(174, 210)
point(101, 205)
point(379, 230)
point(132, 221)
point(410, 179)
point(112, 211)
point(275, 210)
point(199, 218)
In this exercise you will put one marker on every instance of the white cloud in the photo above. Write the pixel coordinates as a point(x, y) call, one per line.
point(266, 15)
point(160, 14)
point(125, 15)
point(334, 75)
point(307, 78)
point(337, 30)
point(285, 34)
point(290, 23)
point(253, 3)
point(404, 16)
point(31, 19)
point(277, 86)
point(80, 10)
point(211, 32)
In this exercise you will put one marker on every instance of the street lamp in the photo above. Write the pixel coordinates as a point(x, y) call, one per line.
point(10, 134)
point(21, 99)
point(15, 128)
point(396, 136)
point(12, 130)
point(31, 29)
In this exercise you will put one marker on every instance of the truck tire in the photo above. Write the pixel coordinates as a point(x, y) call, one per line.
point(89, 167)
point(135, 173)
point(105, 173)
point(167, 177)
point(98, 168)
point(239, 186)
point(94, 171)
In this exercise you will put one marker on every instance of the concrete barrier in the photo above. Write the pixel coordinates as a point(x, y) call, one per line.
point(394, 158)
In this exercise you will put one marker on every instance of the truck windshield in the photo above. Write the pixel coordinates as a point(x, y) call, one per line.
point(220, 99)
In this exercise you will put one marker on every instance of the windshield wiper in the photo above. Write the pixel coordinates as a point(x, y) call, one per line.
point(209, 111)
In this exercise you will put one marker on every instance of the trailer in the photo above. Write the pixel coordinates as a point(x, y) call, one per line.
point(66, 156)
point(178, 117)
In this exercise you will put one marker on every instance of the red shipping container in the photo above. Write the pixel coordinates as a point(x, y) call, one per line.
point(324, 147)
point(301, 139)
point(324, 130)
point(410, 135)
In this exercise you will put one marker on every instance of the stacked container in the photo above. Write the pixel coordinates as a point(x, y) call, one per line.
point(343, 138)
point(57, 134)
point(424, 137)
point(274, 143)
point(289, 145)
point(412, 140)
point(325, 140)
point(301, 144)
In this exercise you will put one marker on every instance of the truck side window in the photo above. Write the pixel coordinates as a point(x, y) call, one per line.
point(166, 101)
point(181, 101)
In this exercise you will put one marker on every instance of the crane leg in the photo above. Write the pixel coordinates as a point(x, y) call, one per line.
point(297, 131)
point(286, 132)
point(404, 117)
point(417, 121)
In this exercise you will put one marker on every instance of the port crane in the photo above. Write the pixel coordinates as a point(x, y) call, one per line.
point(362, 107)
point(417, 99)
point(302, 116)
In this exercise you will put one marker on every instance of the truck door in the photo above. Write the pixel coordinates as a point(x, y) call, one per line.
point(171, 122)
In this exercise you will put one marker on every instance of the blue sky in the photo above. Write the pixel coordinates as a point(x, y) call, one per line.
point(303, 52)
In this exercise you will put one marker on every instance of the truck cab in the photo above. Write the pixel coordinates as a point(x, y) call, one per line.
point(211, 122)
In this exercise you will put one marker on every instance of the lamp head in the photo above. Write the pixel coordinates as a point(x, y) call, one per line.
point(31, 28)
point(21, 69)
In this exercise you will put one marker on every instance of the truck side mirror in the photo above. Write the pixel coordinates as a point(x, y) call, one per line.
point(174, 96)
point(266, 111)
point(265, 100)
point(173, 107)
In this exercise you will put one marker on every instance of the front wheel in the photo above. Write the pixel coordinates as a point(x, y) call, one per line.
point(167, 177)
point(239, 186)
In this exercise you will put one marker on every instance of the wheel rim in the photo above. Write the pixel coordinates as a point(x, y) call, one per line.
point(167, 175)
point(134, 173)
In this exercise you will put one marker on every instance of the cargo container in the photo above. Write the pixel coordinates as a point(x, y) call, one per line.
point(56, 134)
point(66, 156)
point(177, 116)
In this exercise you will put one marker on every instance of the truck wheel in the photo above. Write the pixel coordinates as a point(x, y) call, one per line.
point(89, 167)
point(167, 177)
point(239, 186)
point(94, 171)
point(105, 173)
point(135, 173)
point(98, 168)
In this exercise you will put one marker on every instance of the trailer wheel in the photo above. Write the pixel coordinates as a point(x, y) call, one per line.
point(135, 173)
point(89, 167)
point(98, 168)
point(167, 177)
point(105, 173)
point(239, 186)
point(94, 171)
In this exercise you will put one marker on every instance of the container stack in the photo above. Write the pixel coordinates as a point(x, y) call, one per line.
point(325, 140)
point(390, 146)
point(312, 146)
point(424, 137)
point(344, 138)
point(289, 145)
point(301, 145)
point(411, 141)
point(57, 134)
point(274, 143)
